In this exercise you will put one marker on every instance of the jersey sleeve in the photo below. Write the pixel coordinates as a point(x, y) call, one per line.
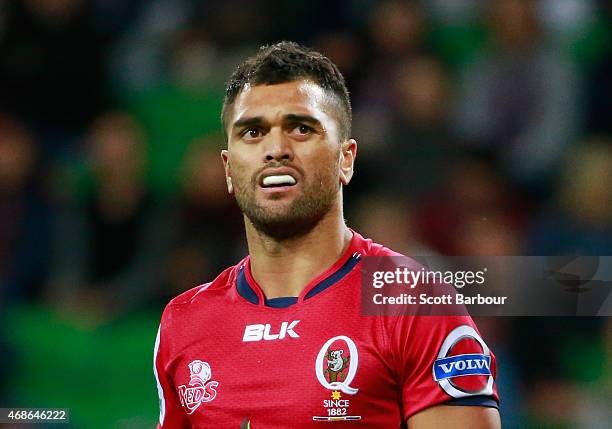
point(171, 413)
point(443, 360)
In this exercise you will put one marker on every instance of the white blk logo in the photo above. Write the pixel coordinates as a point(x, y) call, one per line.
point(264, 332)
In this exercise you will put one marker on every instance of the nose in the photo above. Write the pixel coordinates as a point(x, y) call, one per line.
point(278, 146)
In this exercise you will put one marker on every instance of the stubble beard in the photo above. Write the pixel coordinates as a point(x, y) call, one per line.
point(298, 218)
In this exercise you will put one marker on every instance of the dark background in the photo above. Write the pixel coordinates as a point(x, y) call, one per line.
point(484, 128)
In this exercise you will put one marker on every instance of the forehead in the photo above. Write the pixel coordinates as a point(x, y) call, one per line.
point(269, 101)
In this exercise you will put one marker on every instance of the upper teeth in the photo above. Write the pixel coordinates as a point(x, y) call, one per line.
point(283, 179)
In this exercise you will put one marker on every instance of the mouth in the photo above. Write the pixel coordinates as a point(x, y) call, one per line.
point(278, 179)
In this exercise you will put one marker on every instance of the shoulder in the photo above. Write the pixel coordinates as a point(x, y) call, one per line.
point(204, 292)
point(379, 257)
point(367, 247)
point(184, 314)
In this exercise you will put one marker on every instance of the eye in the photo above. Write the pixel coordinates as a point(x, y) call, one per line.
point(251, 133)
point(302, 130)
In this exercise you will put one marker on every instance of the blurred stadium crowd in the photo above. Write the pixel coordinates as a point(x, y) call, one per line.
point(484, 128)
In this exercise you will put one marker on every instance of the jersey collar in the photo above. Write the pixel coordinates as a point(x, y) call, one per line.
point(248, 288)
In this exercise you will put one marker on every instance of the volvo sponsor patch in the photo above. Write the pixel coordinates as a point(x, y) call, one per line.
point(457, 366)
point(463, 365)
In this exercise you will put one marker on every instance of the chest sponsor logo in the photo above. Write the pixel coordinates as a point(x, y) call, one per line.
point(265, 332)
point(335, 368)
point(468, 372)
point(200, 389)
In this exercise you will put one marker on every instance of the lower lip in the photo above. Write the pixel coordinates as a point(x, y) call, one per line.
point(277, 189)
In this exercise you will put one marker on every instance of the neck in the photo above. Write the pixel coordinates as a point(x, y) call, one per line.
point(284, 268)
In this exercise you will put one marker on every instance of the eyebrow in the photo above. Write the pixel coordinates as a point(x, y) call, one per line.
point(244, 122)
point(291, 117)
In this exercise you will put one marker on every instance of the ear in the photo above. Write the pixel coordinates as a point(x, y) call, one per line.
point(228, 171)
point(347, 160)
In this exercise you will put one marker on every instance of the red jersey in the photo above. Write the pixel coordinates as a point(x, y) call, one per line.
point(226, 356)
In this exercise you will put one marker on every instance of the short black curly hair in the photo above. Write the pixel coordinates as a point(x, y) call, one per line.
point(288, 62)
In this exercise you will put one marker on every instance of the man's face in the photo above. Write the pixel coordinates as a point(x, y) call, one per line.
point(285, 162)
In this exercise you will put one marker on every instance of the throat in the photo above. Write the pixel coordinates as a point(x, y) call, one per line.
point(283, 285)
point(291, 267)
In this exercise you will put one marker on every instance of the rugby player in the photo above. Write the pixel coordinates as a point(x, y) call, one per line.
point(278, 340)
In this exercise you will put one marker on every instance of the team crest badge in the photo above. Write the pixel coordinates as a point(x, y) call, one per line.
point(335, 368)
point(200, 389)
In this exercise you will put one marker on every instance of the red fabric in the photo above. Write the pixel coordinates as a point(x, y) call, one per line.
point(274, 382)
